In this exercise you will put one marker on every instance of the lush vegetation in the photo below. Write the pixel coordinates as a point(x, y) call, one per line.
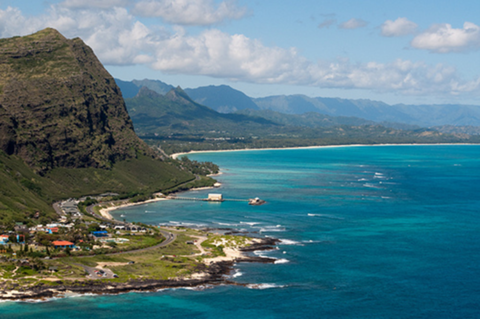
point(174, 123)
point(23, 192)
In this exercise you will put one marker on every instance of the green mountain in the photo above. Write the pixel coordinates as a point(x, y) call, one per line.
point(176, 113)
point(175, 123)
point(420, 115)
point(130, 88)
point(222, 98)
point(65, 131)
point(310, 119)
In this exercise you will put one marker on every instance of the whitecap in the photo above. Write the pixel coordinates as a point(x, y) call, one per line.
point(370, 185)
point(267, 229)
point(264, 286)
point(281, 261)
point(250, 223)
point(288, 242)
point(226, 224)
point(310, 241)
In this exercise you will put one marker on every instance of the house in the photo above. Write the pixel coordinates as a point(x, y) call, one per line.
point(19, 227)
point(3, 239)
point(215, 197)
point(98, 234)
point(63, 244)
point(52, 230)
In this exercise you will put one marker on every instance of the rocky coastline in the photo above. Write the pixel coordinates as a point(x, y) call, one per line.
point(215, 274)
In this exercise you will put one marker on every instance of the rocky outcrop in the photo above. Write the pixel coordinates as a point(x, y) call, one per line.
point(59, 107)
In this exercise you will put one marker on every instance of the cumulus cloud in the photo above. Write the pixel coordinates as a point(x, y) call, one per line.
point(442, 38)
point(117, 37)
point(353, 24)
point(190, 12)
point(399, 27)
point(103, 4)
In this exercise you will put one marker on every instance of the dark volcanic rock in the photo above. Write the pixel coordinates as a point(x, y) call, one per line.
point(59, 107)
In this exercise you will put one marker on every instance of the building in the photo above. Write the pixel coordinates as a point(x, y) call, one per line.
point(102, 233)
point(3, 239)
point(63, 244)
point(215, 197)
point(52, 230)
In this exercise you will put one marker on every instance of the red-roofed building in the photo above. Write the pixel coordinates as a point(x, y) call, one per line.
point(63, 244)
point(52, 230)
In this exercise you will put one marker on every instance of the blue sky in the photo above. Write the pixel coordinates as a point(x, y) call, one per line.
point(398, 52)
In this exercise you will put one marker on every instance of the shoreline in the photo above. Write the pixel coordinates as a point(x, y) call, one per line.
point(176, 155)
point(105, 212)
point(216, 272)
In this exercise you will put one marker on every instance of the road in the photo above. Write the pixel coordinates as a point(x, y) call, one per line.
point(108, 274)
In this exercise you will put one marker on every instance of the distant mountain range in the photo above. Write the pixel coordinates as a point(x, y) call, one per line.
point(176, 113)
point(176, 123)
point(225, 99)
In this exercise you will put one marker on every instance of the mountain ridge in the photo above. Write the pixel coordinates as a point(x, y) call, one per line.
point(225, 99)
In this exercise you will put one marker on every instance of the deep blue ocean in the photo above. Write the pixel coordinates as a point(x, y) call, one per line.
point(368, 232)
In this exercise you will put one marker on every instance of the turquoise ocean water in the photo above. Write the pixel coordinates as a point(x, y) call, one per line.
point(368, 232)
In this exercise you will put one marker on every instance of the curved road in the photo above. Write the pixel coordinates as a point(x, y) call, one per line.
point(170, 238)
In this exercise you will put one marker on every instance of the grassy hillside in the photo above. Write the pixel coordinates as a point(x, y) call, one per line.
point(175, 113)
point(22, 192)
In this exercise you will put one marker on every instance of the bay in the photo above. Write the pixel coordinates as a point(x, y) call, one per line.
point(367, 232)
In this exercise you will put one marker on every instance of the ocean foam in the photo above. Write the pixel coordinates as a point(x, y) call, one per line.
point(264, 286)
point(277, 228)
point(281, 261)
point(288, 242)
point(250, 223)
point(226, 224)
point(326, 216)
point(371, 185)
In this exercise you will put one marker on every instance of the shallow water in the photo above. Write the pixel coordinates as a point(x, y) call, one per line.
point(368, 232)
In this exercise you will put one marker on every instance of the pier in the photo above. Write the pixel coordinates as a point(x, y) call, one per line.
point(218, 198)
point(206, 199)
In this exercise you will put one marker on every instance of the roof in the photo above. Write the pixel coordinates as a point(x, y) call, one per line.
point(62, 243)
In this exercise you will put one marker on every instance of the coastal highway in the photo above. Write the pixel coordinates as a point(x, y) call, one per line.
point(169, 238)
point(108, 274)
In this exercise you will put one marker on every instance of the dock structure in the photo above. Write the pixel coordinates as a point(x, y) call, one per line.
point(214, 198)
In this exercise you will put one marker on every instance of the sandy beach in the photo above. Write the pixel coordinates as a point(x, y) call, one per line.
point(176, 155)
point(105, 212)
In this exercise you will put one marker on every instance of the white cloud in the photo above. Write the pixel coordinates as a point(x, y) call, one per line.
point(353, 24)
point(103, 4)
point(442, 38)
point(399, 27)
point(118, 38)
point(190, 12)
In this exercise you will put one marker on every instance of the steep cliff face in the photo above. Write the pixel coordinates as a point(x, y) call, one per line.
point(59, 107)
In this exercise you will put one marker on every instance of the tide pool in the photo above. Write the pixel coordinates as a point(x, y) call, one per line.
point(367, 232)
